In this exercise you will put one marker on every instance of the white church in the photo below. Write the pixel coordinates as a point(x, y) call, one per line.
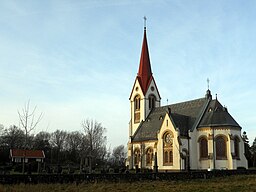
point(195, 134)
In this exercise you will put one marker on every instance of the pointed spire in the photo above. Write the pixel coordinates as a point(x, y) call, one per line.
point(144, 73)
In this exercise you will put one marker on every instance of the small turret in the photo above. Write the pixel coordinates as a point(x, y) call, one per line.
point(208, 95)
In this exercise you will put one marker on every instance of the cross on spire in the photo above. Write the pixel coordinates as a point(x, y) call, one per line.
point(145, 22)
point(208, 82)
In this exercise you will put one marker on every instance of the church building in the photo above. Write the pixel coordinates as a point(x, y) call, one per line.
point(195, 134)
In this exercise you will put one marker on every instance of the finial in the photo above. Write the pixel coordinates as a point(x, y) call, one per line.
point(145, 22)
point(208, 82)
point(167, 101)
point(216, 96)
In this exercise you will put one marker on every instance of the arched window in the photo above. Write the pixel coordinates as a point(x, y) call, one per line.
point(236, 147)
point(203, 145)
point(221, 148)
point(168, 149)
point(152, 101)
point(137, 109)
point(137, 102)
point(136, 156)
point(149, 156)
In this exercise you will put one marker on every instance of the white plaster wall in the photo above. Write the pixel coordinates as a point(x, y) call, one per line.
point(193, 157)
point(243, 161)
point(134, 126)
point(184, 145)
point(155, 93)
point(176, 148)
point(218, 164)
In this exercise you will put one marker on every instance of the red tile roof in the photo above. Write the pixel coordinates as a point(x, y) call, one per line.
point(27, 153)
point(145, 73)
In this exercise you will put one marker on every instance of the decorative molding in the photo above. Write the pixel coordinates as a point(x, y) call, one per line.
point(201, 137)
point(231, 136)
point(148, 141)
point(210, 136)
point(155, 145)
point(218, 128)
point(204, 129)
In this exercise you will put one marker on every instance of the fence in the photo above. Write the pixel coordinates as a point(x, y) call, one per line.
point(117, 177)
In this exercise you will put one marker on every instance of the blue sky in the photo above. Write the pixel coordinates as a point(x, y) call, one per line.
point(78, 59)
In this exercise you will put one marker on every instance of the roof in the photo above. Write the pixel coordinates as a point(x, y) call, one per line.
point(217, 115)
point(144, 73)
point(184, 115)
point(27, 153)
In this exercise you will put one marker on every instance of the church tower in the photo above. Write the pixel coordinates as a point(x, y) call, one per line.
point(144, 96)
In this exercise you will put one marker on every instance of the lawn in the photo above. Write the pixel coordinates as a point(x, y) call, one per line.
point(231, 183)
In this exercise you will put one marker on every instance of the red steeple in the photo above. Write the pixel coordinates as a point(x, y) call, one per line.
point(145, 73)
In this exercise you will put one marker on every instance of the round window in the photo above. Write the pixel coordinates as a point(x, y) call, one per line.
point(168, 138)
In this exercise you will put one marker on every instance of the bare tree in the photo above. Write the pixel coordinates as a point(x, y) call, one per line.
point(95, 140)
point(74, 140)
point(28, 121)
point(58, 139)
point(119, 155)
point(73, 145)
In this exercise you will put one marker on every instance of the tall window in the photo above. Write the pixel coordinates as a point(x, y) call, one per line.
point(137, 102)
point(137, 109)
point(203, 144)
point(236, 147)
point(152, 102)
point(149, 156)
point(136, 156)
point(221, 148)
point(168, 149)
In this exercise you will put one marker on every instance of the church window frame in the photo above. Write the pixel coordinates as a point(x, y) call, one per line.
point(203, 147)
point(137, 156)
point(149, 156)
point(168, 149)
point(221, 147)
point(137, 104)
point(151, 101)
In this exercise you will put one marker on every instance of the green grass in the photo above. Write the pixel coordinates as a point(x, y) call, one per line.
point(231, 183)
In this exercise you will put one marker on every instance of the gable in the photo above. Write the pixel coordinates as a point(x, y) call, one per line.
point(151, 84)
point(217, 115)
point(136, 89)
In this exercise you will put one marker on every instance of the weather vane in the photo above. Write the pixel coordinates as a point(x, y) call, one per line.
point(145, 21)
